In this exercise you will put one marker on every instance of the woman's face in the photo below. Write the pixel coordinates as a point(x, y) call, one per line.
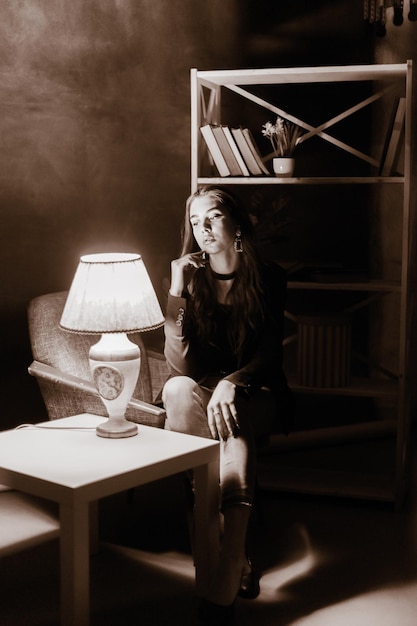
point(213, 228)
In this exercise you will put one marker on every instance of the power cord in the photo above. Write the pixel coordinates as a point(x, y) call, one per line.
point(38, 427)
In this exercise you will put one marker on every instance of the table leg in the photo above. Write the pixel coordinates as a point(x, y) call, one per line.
point(94, 522)
point(75, 563)
point(206, 524)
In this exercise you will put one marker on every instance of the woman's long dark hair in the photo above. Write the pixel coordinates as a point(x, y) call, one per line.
point(245, 296)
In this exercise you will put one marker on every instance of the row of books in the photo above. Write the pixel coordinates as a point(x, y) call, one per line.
point(233, 151)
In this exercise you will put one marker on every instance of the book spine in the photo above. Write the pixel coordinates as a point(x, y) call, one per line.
point(394, 141)
point(214, 150)
point(229, 157)
point(236, 151)
point(247, 155)
point(253, 147)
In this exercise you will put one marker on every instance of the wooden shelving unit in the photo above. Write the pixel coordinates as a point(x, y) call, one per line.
point(207, 88)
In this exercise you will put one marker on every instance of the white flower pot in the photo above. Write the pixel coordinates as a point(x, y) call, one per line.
point(283, 166)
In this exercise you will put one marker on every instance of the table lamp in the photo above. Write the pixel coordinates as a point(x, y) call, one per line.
point(111, 295)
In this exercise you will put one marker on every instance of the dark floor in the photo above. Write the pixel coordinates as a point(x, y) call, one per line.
point(325, 562)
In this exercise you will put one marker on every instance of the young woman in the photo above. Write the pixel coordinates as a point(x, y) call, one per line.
point(223, 343)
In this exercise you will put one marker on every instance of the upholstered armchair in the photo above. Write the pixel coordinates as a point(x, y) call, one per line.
point(62, 369)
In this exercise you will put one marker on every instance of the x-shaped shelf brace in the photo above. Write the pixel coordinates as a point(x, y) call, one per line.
point(210, 108)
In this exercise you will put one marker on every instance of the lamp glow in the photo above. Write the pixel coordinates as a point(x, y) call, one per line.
point(112, 295)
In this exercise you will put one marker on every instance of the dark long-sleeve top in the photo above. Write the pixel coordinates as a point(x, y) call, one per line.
point(256, 365)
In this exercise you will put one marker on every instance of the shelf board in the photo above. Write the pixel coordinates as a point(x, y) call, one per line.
point(329, 435)
point(359, 387)
point(305, 180)
point(371, 285)
point(323, 482)
point(296, 75)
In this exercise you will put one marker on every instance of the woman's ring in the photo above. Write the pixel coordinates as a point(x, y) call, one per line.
point(216, 413)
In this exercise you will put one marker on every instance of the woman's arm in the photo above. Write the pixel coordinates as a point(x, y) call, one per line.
point(179, 352)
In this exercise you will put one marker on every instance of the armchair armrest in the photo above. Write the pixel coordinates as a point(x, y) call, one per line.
point(52, 375)
point(159, 371)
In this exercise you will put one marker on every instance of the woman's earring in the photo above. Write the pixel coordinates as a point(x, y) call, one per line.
point(238, 241)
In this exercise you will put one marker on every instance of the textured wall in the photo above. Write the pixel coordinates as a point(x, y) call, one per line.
point(94, 127)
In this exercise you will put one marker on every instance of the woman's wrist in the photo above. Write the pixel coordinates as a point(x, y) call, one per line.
point(177, 283)
point(177, 288)
point(175, 293)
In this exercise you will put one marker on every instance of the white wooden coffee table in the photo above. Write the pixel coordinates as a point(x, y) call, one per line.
point(64, 461)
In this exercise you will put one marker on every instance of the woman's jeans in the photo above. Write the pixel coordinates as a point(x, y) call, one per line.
point(186, 402)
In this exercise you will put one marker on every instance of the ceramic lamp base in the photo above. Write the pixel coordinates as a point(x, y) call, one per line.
point(117, 428)
point(115, 366)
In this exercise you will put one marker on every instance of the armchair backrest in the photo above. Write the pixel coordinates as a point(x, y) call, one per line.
point(68, 352)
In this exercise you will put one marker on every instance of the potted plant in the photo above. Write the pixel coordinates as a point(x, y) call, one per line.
point(284, 137)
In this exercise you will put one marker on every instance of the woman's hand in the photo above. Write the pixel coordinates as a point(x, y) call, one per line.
point(183, 269)
point(221, 411)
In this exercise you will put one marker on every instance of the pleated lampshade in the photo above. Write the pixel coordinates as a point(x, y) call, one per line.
point(111, 293)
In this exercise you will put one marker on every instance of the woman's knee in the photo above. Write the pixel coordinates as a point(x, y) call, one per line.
point(185, 406)
point(178, 388)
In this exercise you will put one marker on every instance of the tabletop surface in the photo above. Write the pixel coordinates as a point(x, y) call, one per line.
point(69, 452)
